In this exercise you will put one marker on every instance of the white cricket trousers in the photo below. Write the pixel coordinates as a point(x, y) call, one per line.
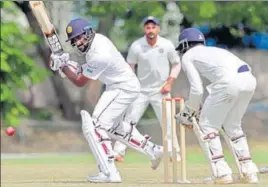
point(112, 107)
point(225, 107)
point(136, 111)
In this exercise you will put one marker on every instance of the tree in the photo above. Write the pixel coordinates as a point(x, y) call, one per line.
point(16, 66)
point(121, 20)
point(254, 13)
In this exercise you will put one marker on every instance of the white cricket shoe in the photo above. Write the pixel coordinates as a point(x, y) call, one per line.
point(251, 178)
point(102, 178)
point(158, 153)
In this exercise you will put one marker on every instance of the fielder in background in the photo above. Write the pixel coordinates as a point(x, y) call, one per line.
point(105, 63)
point(231, 89)
point(152, 54)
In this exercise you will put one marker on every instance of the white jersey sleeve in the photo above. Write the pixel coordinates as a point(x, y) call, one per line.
point(95, 68)
point(196, 84)
point(173, 56)
point(132, 54)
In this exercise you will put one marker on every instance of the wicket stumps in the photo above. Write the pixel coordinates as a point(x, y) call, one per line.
point(172, 102)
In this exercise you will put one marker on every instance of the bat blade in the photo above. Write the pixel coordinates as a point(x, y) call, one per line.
point(48, 29)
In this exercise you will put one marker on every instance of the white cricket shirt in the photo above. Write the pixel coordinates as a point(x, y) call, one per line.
point(105, 63)
point(216, 64)
point(153, 62)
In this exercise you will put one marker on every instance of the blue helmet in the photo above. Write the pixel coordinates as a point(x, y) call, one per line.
point(189, 36)
point(75, 29)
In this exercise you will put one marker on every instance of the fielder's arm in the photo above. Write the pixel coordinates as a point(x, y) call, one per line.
point(78, 79)
point(175, 70)
point(175, 61)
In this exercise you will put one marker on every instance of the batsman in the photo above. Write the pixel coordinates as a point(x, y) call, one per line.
point(231, 89)
point(105, 63)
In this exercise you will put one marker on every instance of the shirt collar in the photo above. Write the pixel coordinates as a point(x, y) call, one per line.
point(93, 47)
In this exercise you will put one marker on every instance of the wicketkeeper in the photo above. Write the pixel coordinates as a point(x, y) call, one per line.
point(231, 89)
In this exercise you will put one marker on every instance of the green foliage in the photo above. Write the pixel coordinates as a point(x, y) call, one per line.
point(210, 12)
point(16, 66)
point(120, 10)
point(100, 9)
point(140, 10)
point(228, 13)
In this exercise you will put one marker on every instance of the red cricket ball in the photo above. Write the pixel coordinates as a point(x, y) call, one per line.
point(10, 131)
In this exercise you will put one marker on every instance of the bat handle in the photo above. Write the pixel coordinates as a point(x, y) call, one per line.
point(60, 72)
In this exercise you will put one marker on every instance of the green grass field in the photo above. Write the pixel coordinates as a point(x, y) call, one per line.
point(71, 170)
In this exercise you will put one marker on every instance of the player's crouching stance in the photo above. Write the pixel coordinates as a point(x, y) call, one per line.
point(104, 62)
point(231, 89)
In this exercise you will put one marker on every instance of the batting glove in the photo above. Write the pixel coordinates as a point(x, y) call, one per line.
point(58, 61)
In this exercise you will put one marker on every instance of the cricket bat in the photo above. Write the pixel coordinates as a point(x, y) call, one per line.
point(48, 29)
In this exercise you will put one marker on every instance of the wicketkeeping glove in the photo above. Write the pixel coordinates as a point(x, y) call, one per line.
point(186, 116)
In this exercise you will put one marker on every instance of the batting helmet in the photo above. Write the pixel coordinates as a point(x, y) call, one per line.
point(78, 27)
